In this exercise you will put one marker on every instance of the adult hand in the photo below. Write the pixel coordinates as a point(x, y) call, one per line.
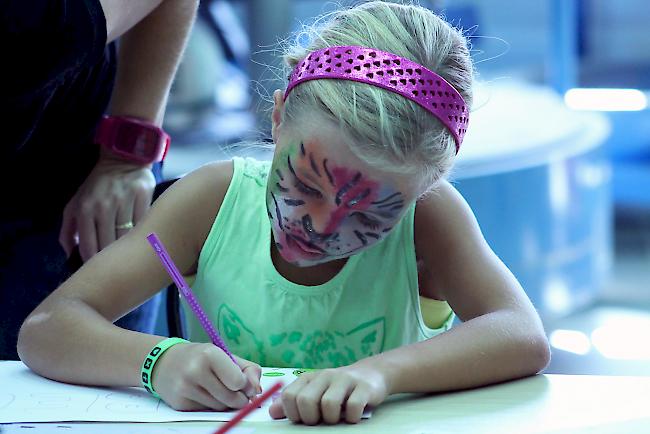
point(324, 395)
point(192, 377)
point(113, 198)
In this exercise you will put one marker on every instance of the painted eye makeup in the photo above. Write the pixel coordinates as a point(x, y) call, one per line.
point(305, 189)
point(301, 186)
point(367, 221)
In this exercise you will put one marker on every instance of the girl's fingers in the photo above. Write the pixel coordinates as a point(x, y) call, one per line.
point(253, 372)
point(309, 399)
point(289, 395)
point(229, 373)
point(355, 405)
point(332, 401)
point(200, 399)
point(213, 387)
point(276, 411)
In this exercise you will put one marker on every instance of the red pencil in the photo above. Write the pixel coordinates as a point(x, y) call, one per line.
point(254, 404)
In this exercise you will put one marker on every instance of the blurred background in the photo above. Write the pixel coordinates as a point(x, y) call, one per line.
point(556, 163)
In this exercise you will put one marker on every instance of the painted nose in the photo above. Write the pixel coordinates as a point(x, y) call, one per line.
point(312, 233)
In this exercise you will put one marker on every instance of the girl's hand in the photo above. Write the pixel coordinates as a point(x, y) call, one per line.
point(193, 377)
point(326, 394)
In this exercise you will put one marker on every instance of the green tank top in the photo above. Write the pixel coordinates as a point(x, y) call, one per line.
point(372, 305)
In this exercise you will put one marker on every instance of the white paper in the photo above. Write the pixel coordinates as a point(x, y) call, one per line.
point(112, 428)
point(26, 397)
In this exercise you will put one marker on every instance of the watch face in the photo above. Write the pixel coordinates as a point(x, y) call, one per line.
point(136, 140)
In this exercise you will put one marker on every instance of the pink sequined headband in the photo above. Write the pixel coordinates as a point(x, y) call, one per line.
point(391, 72)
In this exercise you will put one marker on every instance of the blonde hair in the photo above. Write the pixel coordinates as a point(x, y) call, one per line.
point(388, 131)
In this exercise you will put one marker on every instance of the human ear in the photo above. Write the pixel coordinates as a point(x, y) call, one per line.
point(276, 116)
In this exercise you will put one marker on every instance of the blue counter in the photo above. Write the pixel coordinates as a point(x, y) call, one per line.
point(537, 177)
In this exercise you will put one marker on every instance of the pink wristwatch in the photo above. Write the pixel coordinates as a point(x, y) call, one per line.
point(133, 139)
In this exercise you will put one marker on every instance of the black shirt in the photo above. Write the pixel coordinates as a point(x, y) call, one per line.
point(56, 79)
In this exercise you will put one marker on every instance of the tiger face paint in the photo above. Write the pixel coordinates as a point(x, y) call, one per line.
point(324, 207)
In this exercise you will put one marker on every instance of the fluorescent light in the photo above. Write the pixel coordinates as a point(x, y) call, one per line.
point(625, 341)
point(606, 99)
point(572, 341)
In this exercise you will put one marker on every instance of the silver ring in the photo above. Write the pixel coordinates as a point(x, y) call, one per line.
point(127, 225)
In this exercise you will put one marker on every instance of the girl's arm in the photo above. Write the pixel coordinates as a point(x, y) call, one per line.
point(70, 336)
point(501, 336)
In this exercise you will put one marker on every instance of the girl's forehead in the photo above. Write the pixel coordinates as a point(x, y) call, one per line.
point(330, 156)
point(320, 134)
point(319, 154)
point(331, 145)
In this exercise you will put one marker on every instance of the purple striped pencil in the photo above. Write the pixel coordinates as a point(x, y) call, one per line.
point(187, 293)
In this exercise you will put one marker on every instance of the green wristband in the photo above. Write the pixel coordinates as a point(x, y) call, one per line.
point(151, 359)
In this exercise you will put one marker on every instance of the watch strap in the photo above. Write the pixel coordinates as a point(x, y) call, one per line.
point(132, 138)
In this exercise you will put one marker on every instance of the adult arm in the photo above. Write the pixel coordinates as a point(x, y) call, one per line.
point(152, 35)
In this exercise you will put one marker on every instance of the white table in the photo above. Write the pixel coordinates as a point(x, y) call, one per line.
point(541, 404)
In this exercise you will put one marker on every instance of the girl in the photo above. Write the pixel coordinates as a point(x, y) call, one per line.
point(348, 252)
